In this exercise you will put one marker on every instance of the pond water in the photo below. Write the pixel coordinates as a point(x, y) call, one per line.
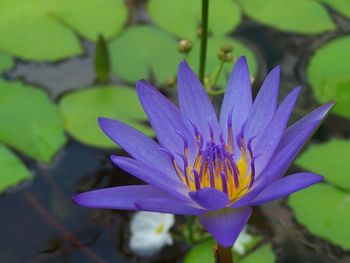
point(39, 222)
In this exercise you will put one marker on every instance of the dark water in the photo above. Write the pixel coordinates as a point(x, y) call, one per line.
point(39, 223)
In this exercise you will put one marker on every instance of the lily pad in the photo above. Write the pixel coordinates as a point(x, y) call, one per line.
point(298, 16)
point(329, 74)
point(202, 253)
point(182, 18)
point(142, 51)
point(81, 110)
point(45, 30)
point(330, 160)
point(30, 122)
point(214, 45)
point(6, 62)
point(12, 170)
point(325, 211)
point(263, 254)
point(341, 6)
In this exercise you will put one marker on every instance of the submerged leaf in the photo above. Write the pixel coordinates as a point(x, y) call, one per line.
point(81, 110)
point(30, 122)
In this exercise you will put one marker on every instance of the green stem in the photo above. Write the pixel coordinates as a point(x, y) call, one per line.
point(223, 254)
point(189, 223)
point(204, 38)
point(216, 75)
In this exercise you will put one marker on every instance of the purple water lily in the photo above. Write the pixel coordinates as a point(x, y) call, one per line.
point(216, 170)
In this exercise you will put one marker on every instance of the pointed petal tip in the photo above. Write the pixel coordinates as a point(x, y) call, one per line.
point(242, 59)
point(331, 104)
point(79, 199)
point(105, 124)
point(183, 63)
point(142, 83)
point(103, 121)
point(276, 71)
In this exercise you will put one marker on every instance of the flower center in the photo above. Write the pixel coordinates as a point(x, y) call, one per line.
point(215, 166)
point(159, 229)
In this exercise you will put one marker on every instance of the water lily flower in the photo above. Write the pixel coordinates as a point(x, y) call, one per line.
point(216, 169)
point(150, 232)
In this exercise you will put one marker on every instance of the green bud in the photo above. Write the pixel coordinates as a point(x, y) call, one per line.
point(225, 57)
point(227, 48)
point(170, 81)
point(185, 46)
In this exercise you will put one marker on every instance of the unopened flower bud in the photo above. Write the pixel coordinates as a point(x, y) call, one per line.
point(185, 46)
point(225, 57)
point(227, 48)
point(170, 81)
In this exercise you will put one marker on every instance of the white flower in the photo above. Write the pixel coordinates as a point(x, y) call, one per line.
point(243, 239)
point(150, 232)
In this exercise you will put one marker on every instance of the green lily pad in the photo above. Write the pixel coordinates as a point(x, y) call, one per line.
point(325, 211)
point(202, 253)
point(12, 170)
point(6, 62)
point(298, 16)
point(263, 254)
point(341, 6)
point(45, 30)
point(329, 74)
point(30, 122)
point(142, 51)
point(81, 110)
point(330, 160)
point(182, 18)
point(214, 45)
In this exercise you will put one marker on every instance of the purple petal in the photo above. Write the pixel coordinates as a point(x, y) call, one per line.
point(264, 106)
point(138, 145)
point(169, 205)
point(194, 102)
point(286, 186)
point(225, 224)
point(123, 197)
point(315, 116)
point(152, 176)
point(270, 138)
point(210, 198)
point(251, 195)
point(238, 96)
point(164, 117)
point(284, 157)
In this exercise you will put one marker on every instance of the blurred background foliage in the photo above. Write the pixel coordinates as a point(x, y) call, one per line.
point(64, 63)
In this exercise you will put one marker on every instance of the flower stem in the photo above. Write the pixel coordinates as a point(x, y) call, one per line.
point(223, 254)
point(204, 38)
point(189, 223)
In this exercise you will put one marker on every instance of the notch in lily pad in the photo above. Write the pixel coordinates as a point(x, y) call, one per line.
point(102, 60)
point(81, 109)
point(31, 122)
point(12, 170)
